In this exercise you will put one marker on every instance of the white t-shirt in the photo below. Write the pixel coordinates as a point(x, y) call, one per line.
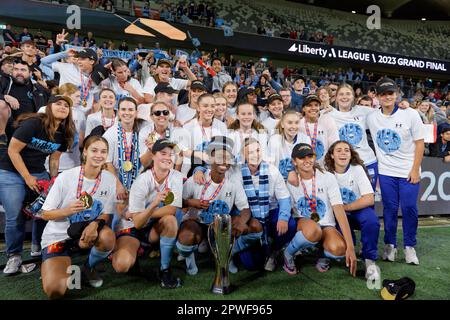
point(144, 190)
point(231, 194)
point(327, 134)
point(394, 136)
point(277, 186)
point(328, 195)
point(63, 193)
point(270, 124)
point(239, 137)
point(70, 73)
point(352, 128)
point(113, 141)
point(279, 152)
point(353, 184)
point(177, 84)
point(185, 113)
point(143, 111)
point(95, 119)
point(177, 135)
point(112, 83)
point(199, 141)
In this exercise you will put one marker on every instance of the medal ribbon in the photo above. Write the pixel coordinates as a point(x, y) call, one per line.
point(85, 88)
point(311, 201)
point(80, 183)
point(165, 183)
point(104, 122)
point(131, 154)
point(216, 192)
point(314, 137)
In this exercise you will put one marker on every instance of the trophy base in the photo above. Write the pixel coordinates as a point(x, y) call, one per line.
point(221, 290)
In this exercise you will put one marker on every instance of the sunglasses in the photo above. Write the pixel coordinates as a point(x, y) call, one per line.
point(161, 112)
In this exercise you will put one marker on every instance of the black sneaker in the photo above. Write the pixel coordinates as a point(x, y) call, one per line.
point(91, 276)
point(168, 280)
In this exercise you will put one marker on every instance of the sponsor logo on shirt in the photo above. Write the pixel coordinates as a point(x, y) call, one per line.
point(43, 146)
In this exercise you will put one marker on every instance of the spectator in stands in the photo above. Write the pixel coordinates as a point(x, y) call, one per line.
point(76, 40)
point(6, 66)
point(297, 92)
point(40, 39)
point(123, 46)
point(20, 94)
point(215, 83)
point(441, 148)
point(367, 101)
point(429, 113)
point(9, 36)
point(324, 94)
point(25, 35)
point(371, 92)
point(89, 41)
point(333, 89)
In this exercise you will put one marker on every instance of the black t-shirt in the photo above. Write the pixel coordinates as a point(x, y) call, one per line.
point(38, 146)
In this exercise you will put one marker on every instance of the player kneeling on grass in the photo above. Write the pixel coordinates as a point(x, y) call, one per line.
point(154, 199)
point(218, 195)
point(77, 207)
point(315, 200)
point(269, 201)
point(358, 197)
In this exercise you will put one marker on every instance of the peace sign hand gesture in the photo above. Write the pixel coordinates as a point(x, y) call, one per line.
point(61, 37)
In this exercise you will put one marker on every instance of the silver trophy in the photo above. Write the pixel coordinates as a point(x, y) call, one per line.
point(221, 242)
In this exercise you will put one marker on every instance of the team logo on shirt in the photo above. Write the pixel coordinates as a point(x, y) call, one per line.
point(351, 132)
point(388, 140)
point(348, 196)
point(305, 210)
point(284, 167)
point(43, 146)
point(216, 207)
point(88, 215)
point(320, 149)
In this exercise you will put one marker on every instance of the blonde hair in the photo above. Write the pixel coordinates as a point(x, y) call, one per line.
point(279, 127)
point(66, 89)
point(346, 86)
point(218, 95)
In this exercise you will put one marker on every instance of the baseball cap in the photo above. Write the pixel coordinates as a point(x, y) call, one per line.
point(28, 41)
point(299, 78)
point(59, 97)
point(386, 85)
point(310, 98)
point(273, 97)
point(164, 61)
point(197, 84)
point(301, 150)
point(164, 87)
point(246, 90)
point(398, 289)
point(220, 143)
point(87, 53)
point(161, 144)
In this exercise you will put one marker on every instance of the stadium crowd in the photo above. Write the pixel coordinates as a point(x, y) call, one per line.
point(149, 150)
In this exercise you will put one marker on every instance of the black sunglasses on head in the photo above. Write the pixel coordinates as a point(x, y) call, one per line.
point(159, 112)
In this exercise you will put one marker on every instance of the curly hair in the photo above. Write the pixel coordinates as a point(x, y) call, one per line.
point(354, 159)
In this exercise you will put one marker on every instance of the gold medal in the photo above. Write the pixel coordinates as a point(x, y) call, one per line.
point(152, 138)
point(315, 216)
point(127, 166)
point(169, 198)
point(84, 103)
point(87, 200)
